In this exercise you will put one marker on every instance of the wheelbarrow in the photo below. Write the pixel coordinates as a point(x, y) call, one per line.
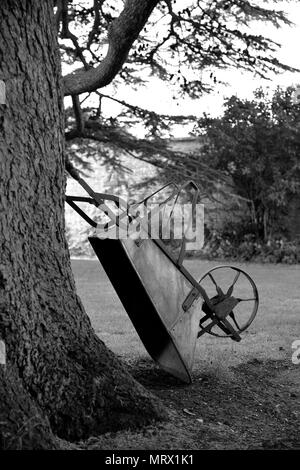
point(167, 305)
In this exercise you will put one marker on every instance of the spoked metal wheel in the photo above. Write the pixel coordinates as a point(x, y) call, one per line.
point(233, 302)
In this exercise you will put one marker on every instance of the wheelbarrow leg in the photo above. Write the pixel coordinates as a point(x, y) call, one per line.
point(207, 328)
point(223, 324)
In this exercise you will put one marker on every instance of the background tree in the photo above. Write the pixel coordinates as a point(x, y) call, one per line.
point(257, 143)
point(60, 381)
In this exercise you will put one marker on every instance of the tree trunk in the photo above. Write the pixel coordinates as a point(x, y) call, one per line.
point(59, 379)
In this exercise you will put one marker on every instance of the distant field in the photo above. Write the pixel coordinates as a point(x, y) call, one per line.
point(269, 337)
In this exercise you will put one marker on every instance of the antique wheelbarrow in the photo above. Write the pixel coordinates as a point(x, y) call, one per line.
point(168, 307)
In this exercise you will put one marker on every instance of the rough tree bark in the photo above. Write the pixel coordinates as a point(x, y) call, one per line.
point(60, 379)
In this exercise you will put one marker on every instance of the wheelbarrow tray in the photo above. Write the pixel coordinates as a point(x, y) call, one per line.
point(152, 290)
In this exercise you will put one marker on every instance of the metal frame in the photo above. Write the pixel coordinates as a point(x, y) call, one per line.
point(98, 200)
point(169, 349)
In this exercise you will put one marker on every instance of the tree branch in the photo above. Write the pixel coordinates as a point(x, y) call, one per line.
point(78, 113)
point(152, 151)
point(94, 30)
point(146, 112)
point(122, 33)
point(66, 33)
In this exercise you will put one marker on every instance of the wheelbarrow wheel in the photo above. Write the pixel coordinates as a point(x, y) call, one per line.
point(232, 308)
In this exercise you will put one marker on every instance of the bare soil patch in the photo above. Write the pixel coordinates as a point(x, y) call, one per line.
point(257, 406)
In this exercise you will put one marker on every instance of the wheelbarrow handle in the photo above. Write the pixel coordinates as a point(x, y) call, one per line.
point(101, 197)
point(70, 200)
point(98, 200)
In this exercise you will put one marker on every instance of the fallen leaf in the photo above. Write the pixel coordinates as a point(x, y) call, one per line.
point(188, 412)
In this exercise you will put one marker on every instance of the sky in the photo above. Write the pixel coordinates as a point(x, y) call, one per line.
point(158, 96)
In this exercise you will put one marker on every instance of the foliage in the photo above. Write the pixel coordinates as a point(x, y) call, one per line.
point(186, 45)
point(202, 35)
point(239, 242)
point(257, 143)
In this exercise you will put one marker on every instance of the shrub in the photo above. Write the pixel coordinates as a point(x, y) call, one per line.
point(238, 244)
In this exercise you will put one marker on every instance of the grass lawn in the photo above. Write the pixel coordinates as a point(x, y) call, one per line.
point(231, 381)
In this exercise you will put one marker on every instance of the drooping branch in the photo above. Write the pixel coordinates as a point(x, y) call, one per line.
point(153, 151)
point(211, 34)
point(142, 112)
point(122, 33)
